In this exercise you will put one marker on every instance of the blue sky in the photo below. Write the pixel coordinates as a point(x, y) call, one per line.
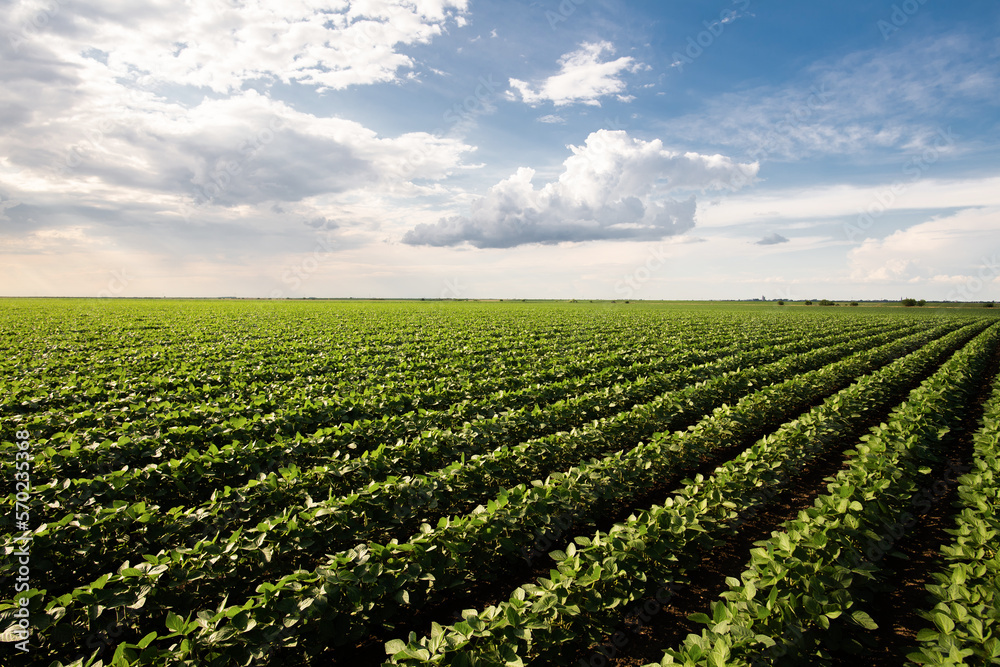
point(459, 148)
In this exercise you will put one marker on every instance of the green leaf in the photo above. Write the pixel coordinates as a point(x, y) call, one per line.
point(927, 635)
point(394, 646)
point(944, 624)
point(174, 622)
point(864, 620)
point(547, 601)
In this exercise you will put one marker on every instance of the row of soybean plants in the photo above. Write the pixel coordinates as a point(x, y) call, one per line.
point(395, 507)
point(367, 589)
point(210, 475)
point(152, 367)
point(807, 585)
point(151, 421)
point(434, 447)
point(966, 613)
point(596, 578)
point(213, 475)
point(244, 454)
point(211, 367)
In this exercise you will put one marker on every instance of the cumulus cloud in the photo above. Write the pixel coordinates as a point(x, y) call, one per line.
point(584, 77)
point(613, 187)
point(772, 239)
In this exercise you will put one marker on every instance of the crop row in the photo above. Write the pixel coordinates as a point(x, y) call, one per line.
point(432, 447)
point(966, 616)
point(354, 593)
point(596, 578)
point(243, 430)
point(208, 474)
point(195, 356)
point(164, 426)
point(800, 594)
point(236, 372)
point(136, 408)
point(392, 508)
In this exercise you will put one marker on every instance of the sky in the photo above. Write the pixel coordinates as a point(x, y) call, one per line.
point(595, 149)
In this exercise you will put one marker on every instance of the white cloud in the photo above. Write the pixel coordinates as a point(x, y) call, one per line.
point(583, 78)
point(104, 132)
point(242, 149)
point(943, 250)
point(867, 101)
point(613, 187)
point(838, 201)
point(221, 45)
point(224, 177)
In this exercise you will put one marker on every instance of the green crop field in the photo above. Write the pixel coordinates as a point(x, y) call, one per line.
point(217, 483)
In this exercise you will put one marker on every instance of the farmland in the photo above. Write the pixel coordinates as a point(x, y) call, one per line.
point(357, 483)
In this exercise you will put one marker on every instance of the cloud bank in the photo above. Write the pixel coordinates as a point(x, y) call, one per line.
point(135, 125)
point(958, 250)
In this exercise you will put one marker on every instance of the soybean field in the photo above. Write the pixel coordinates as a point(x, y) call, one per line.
point(304, 483)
